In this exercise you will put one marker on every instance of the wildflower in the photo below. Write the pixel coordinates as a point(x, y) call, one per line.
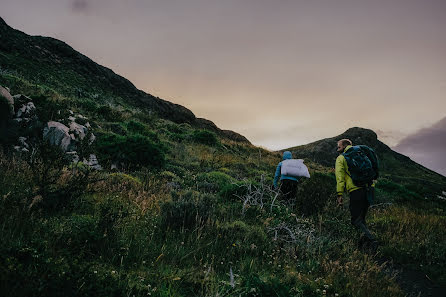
point(95, 271)
point(324, 292)
point(113, 271)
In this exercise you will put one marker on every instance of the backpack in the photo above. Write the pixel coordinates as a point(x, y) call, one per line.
point(294, 168)
point(362, 164)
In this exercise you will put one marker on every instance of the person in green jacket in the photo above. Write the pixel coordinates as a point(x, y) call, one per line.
point(359, 203)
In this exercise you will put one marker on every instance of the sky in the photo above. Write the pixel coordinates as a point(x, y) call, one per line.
point(427, 146)
point(282, 73)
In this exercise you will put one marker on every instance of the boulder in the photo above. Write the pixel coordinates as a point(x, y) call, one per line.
point(78, 130)
point(7, 102)
point(58, 134)
point(93, 162)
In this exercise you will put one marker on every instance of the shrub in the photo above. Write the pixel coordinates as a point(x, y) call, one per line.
point(134, 150)
point(110, 114)
point(204, 137)
point(314, 193)
point(213, 181)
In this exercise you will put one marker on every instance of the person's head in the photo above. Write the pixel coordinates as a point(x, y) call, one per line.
point(342, 144)
point(287, 155)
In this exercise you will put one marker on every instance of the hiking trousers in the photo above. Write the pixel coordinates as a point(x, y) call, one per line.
point(358, 210)
point(288, 188)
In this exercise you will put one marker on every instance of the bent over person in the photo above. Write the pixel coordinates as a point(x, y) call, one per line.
point(288, 185)
point(356, 169)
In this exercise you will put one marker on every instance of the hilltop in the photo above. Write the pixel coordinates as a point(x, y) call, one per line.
point(393, 165)
point(108, 191)
point(51, 62)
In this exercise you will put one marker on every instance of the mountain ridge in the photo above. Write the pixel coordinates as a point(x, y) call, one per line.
point(393, 165)
point(42, 59)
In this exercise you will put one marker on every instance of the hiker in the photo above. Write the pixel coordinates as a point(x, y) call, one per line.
point(356, 170)
point(289, 171)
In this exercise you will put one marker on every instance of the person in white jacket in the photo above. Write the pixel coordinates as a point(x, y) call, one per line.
point(288, 184)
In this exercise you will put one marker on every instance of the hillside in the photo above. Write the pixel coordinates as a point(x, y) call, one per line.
point(53, 63)
point(393, 165)
point(102, 194)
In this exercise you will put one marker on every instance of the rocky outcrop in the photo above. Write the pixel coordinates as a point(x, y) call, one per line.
point(58, 134)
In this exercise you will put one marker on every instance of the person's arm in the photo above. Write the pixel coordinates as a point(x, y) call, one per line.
point(277, 175)
point(340, 177)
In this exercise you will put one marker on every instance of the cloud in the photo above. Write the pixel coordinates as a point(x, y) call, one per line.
point(427, 146)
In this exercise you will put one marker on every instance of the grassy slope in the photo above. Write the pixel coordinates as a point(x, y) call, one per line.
point(179, 229)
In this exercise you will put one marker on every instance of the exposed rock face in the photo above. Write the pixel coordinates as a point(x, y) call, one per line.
point(58, 134)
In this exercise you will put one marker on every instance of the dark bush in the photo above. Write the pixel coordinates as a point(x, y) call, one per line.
point(110, 114)
point(136, 127)
point(134, 150)
point(314, 193)
point(204, 137)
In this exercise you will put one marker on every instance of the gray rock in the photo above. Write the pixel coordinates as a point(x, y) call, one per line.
point(9, 100)
point(71, 119)
point(93, 162)
point(58, 134)
point(73, 156)
point(92, 139)
point(22, 142)
point(78, 130)
point(26, 111)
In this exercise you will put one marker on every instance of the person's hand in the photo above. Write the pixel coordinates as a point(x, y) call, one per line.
point(339, 200)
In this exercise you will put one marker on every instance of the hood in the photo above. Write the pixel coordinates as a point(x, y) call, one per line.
point(287, 155)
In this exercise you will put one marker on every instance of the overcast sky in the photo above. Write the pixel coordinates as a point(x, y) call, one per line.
point(282, 72)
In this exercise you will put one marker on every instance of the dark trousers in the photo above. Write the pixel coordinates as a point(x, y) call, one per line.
point(358, 210)
point(288, 188)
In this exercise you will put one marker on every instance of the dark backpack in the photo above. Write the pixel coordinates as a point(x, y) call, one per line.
point(362, 164)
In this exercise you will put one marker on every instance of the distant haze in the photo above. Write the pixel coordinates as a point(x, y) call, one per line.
point(282, 73)
point(427, 147)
